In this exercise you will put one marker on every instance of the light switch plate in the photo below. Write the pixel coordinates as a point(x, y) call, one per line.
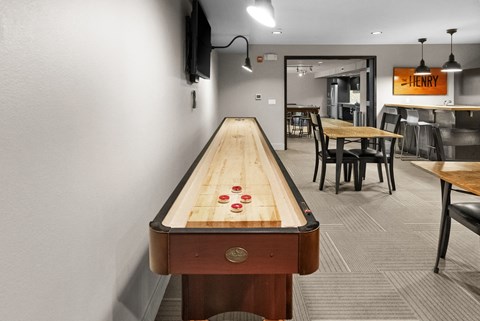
point(272, 101)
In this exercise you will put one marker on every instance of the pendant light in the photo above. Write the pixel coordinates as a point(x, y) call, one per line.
point(422, 69)
point(451, 65)
point(262, 11)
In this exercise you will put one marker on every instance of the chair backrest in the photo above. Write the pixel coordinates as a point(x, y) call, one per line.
point(390, 110)
point(390, 123)
point(412, 116)
point(313, 119)
point(444, 138)
point(320, 142)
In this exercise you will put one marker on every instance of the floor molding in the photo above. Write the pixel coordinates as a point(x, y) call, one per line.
point(156, 298)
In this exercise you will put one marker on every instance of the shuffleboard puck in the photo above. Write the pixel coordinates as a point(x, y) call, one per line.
point(236, 207)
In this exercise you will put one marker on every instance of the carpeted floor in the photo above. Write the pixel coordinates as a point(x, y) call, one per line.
point(377, 251)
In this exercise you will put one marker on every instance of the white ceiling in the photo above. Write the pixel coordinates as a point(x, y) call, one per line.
point(348, 21)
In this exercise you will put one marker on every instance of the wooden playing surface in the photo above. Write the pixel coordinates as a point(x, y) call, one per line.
point(238, 155)
point(465, 175)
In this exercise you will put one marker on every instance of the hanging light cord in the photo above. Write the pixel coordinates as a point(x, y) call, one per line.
point(223, 47)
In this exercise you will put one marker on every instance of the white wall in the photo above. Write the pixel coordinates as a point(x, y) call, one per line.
point(96, 130)
point(307, 90)
point(237, 90)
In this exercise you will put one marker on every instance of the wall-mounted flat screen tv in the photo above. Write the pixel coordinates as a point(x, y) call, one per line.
point(199, 43)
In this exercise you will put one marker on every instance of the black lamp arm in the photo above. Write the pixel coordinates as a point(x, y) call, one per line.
point(223, 47)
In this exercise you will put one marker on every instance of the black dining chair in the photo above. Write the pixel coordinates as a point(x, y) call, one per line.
point(465, 213)
point(391, 123)
point(329, 156)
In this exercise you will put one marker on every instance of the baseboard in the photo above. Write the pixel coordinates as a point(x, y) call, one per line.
point(156, 299)
point(278, 146)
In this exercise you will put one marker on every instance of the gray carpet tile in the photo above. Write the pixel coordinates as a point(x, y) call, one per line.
point(300, 310)
point(330, 258)
point(463, 249)
point(386, 251)
point(353, 296)
point(435, 297)
point(470, 281)
point(356, 219)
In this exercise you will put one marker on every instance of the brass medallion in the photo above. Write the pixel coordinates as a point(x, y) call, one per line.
point(236, 254)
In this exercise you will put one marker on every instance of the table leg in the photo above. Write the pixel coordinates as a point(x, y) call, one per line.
point(338, 167)
point(387, 172)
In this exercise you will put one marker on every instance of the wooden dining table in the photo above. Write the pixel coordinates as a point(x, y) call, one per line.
point(465, 175)
point(364, 134)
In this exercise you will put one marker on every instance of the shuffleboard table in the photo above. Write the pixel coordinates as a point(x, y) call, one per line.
point(236, 228)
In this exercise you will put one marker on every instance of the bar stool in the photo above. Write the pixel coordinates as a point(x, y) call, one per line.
point(417, 125)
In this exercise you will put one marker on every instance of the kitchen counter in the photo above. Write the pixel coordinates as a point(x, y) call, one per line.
point(454, 116)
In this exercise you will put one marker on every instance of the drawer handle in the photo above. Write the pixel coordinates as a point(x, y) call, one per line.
point(236, 254)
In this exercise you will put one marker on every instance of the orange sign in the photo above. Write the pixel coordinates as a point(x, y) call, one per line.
point(406, 83)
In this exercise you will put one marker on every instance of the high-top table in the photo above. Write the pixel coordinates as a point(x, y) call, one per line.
point(363, 133)
point(236, 228)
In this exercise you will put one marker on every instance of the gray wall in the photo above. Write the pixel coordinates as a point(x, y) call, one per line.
point(237, 89)
point(96, 130)
point(467, 87)
point(307, 90)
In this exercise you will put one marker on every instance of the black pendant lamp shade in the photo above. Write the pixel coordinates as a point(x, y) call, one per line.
point(451, 65)
point(422, 69)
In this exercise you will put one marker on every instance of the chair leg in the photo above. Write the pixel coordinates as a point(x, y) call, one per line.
point(392, 176)
point(349, 172)
point(345, 172)
point(446, 237)
point(444, 224)
point(356, 177)
point(322, 175)
point(316, 169)
point(417, 139)
point(380, 174)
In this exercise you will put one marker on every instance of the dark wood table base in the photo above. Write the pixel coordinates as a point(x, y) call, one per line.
point(269, 296)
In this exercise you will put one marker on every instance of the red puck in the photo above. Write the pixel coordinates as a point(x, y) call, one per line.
point(223, 199)
point(236, 189)
point(245, 198)
point(236, 207)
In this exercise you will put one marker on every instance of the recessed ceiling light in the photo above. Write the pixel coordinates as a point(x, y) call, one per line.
point(376, 32)
point(277, 32)
point(320, 62)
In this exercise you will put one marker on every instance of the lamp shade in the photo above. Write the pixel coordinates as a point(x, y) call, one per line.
point(263, 12)
point(451, 65)
point(422, 69)
point(247, 66)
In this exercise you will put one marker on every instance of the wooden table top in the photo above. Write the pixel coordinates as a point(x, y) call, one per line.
point(300, 108)
point(465, 175)
point(436, 107)
point(238, 155)
point(332, 122)
point(358, 132)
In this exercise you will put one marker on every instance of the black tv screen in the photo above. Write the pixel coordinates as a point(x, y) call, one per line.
point(199, 43)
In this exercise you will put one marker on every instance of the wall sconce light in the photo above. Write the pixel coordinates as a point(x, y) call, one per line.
point(263, 12)
point(247, 65)
point(451, 65)
point(422, 70)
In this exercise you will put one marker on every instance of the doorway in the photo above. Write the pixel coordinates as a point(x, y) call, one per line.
point(337, 86)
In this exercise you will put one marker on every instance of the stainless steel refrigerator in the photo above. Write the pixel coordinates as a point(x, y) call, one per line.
point(332, 100)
